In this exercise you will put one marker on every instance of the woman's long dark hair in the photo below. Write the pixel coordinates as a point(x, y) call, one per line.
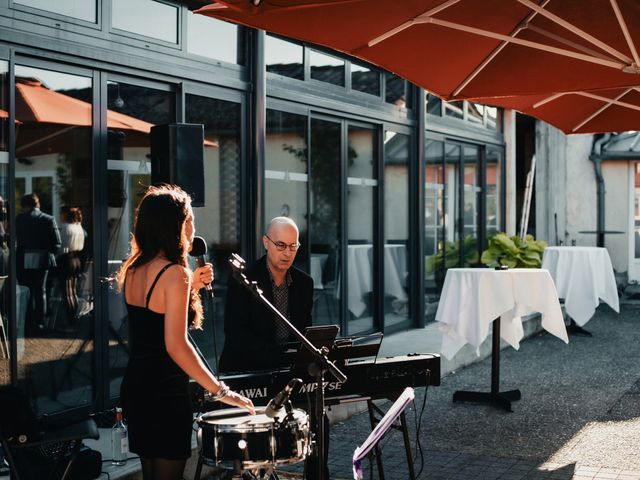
point(159, 228)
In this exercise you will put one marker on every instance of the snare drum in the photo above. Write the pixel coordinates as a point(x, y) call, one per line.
point(231, 436)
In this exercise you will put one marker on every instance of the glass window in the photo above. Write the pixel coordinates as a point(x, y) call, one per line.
point(475, 113)
point(494, 118)
point(434, 224)
point(218, 221)
point(133, 16)
point(471, 202)
point(396, 228)
point(326, 68)
point(494, 191)
point(5, 290)
point(284, 58)
point(362, 186)
point(364, 79)
point(54, 233)
point(213, 38)
point(286, 176)
point(454, 109)
point(80, 9)
point(395, 90)
point(132, 111)
point(434, 105)
point(325, 219)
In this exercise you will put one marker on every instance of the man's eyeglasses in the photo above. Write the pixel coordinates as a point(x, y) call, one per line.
point(281, 246)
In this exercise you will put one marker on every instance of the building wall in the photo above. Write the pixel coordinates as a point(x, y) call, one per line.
point(617, 212)
point(566, 187)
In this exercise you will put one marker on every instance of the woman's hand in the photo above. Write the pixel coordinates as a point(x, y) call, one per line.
point(202, 276)
point(236, 400)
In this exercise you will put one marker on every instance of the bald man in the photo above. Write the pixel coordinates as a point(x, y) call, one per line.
point(254, 338)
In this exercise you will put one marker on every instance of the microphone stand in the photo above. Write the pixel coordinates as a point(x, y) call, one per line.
point(317, 367)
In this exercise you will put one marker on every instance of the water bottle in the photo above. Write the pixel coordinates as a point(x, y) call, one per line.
point(119, 440)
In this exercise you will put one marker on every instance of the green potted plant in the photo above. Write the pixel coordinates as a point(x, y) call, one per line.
point(512, 252)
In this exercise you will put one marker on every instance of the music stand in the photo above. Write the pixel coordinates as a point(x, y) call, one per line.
point(378, 432)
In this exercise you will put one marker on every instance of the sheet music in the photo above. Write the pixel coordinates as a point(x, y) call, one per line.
point(385, 423)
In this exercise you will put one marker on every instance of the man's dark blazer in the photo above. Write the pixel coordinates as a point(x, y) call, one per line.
point(37, 232)
point(249, 326)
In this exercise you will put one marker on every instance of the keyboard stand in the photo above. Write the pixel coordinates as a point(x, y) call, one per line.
point(373, 410)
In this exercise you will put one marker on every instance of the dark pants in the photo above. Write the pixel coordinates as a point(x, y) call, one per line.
point(35, 280)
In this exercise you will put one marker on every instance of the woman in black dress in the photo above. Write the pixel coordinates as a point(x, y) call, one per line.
point(161, 294)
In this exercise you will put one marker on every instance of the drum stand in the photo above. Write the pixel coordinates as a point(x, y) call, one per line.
point(267, 473)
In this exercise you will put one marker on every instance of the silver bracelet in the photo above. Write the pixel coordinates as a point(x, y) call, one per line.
point(222, 392)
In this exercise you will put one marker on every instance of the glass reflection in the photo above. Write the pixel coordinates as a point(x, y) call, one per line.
point(54, 231)
point(454, 109)
point(364, 79)
point(133, 16)
point(283, 58)
point(395, 90)
point(436, 258)
point(85, 10)
point(396, 228)
point(493, 181)
point(324, 219)
point(362, 186)
point(132, 111)
point(434, 105)
point(471, 212)
point(326, 68)
point(6, 315)
point(213, 38)
point(286, 176)
point(218, 221)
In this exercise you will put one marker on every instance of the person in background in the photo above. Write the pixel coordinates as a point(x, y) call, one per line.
point(161, 295)
point(38, 240)
point(70, 260)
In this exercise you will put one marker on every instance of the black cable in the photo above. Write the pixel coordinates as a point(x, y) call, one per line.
point(418, 421)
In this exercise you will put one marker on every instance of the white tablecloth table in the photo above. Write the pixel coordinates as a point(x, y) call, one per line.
point(583, 276)
point(473, 298)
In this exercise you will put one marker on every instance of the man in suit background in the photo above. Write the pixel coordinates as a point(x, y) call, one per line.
point(38, 240)
point(254, 338)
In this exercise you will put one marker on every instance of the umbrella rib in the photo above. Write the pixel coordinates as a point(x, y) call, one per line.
point(550, 99)
point(600, 110)
point(567, 42)
point(495, 52)
point(526, 43)
point(409, 23)
point(625, 31)
point(612, 101)
point(572, 28)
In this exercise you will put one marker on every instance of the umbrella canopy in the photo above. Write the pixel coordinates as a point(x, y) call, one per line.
point(467, 48)
point(596, 111)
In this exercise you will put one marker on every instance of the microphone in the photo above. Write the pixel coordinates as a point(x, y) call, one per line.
point(199, 250)
point(275, 404)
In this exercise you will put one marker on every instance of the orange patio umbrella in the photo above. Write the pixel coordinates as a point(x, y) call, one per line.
point(461, 49)
point(53, 114)
point(595, 111)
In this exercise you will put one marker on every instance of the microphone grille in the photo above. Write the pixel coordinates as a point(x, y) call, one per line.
point(198, 247)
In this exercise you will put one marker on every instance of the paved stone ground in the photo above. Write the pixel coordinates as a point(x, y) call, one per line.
point(579, 416)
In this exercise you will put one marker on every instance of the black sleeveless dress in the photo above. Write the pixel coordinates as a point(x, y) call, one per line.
point(155, 391)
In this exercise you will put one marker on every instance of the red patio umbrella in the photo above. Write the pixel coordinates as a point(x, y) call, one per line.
point(596, 111)
point(45, 116)
point(467, 48)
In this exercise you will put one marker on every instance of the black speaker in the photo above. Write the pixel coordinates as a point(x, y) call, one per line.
point(177, 157)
